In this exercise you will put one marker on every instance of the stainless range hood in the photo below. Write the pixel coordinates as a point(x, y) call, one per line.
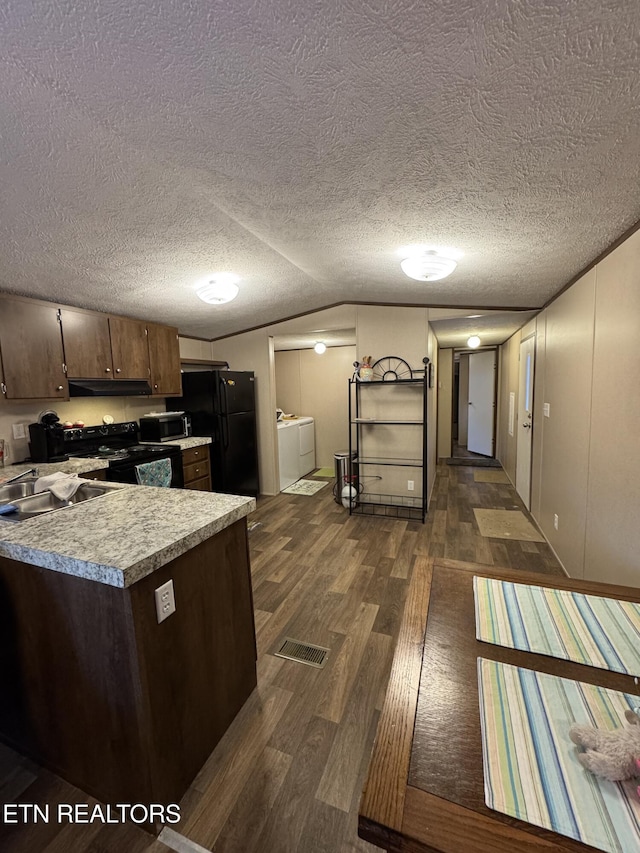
point(109, 388)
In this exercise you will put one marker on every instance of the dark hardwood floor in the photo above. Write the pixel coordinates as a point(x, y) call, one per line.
point(288, 774)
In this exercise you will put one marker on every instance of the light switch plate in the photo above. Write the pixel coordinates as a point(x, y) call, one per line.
point(165, 601)
point(18, 431)
point(546, 410)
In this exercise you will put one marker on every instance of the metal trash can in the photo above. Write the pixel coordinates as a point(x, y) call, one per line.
point(346, 470)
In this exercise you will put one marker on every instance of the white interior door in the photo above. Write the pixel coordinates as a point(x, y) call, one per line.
point(525, 421)
point(482, 398)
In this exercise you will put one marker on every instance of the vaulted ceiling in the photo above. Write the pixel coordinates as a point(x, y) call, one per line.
point(300, 144)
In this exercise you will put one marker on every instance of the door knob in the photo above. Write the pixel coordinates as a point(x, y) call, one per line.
point(118, 370)
point(527, 426)
point(107, 370)
point(60, 388)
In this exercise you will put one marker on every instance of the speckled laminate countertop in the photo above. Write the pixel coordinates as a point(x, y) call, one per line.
point(121, 537)
point(84, 466)
point(71, 466)
point(185, 443)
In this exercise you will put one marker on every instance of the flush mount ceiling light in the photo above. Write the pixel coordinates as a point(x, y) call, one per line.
point(320, 347)
point(473, 342)
point(218, 288)
point(428, 263)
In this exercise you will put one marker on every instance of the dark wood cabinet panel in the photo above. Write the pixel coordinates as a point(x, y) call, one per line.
point(87, 344)
point(164, 359)
point(196, 468)
point(38, 338)
point(100, 474)
point(129, 348)
point(203, 485)
point(97, 691)
point(31, 348)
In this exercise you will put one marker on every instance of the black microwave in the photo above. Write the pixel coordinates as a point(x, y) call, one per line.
point(164, 426)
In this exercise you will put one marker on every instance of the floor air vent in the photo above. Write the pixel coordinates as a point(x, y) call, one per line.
point(303, 652)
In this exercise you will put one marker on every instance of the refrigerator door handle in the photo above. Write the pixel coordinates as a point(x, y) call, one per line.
point(225, 409)
point(225, 431)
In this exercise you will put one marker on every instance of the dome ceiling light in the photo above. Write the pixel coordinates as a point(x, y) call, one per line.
point(320, 347)
point(473, 342)
point(428, 263)
point(218, 288)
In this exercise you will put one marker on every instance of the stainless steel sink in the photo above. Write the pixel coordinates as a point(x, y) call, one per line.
point(30, 505)
point(13, 491)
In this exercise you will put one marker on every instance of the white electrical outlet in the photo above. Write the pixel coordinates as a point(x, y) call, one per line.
point(410, 485)
point(18, 431)
point(555, 521)
point(165, 601)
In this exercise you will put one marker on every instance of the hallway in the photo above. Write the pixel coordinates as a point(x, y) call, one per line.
point(288, 774)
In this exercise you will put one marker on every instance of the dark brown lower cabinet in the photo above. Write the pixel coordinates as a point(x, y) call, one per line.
point(197, 468)
point(97, 691)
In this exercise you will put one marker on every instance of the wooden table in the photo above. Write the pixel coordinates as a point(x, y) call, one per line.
point(425, 790)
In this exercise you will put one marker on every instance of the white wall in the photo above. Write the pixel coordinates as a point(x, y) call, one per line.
point(432, 408)
point(508, 382)
point(88, 409)
point(463, 400)
point(612, 541)
point(194, 348)
point(317, 386)
point(405, 333)
point(445, 402)
point(380, 331)
point(585, 467)
point(565, 434)
point(254, 351)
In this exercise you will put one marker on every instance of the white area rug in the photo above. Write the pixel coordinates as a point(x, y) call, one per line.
point(304, 487)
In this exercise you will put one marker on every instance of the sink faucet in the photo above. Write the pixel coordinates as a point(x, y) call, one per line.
point(17, 477)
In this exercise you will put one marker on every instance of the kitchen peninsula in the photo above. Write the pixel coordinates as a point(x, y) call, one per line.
point(94, 688)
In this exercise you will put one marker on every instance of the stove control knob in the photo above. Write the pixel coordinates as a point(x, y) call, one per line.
point(104, 430)
point(131, 427)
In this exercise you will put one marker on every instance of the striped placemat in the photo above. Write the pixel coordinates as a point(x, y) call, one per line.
point(588, 629)
point(531, 770)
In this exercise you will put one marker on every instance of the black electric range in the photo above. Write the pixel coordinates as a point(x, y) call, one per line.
point(119, 445)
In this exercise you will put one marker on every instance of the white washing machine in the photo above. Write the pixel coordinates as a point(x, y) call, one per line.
point(307, 441)
point(288, 452)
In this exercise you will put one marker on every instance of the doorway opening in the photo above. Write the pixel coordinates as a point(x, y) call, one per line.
point(474, 404)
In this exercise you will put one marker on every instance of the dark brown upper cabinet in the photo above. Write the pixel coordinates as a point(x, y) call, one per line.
point(39, 341)
point(31, 350)
point(164, 359)
point(129, 348)
point(87, 344)
point(98, 346)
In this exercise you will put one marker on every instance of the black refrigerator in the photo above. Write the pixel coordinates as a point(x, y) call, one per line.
point(221, 404)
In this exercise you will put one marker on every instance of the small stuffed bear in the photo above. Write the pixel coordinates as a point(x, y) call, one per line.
point(615, 755)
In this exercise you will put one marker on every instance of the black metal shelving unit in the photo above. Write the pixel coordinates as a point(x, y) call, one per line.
point(362, 428)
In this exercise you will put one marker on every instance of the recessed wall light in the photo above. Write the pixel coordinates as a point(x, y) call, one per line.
point(473, 342)
point(320, 347)
point(428, 263)
point(218, 288)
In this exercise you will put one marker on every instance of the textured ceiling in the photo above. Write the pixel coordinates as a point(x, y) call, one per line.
point(146, 144)
point(307, 340)
point(492, 327)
